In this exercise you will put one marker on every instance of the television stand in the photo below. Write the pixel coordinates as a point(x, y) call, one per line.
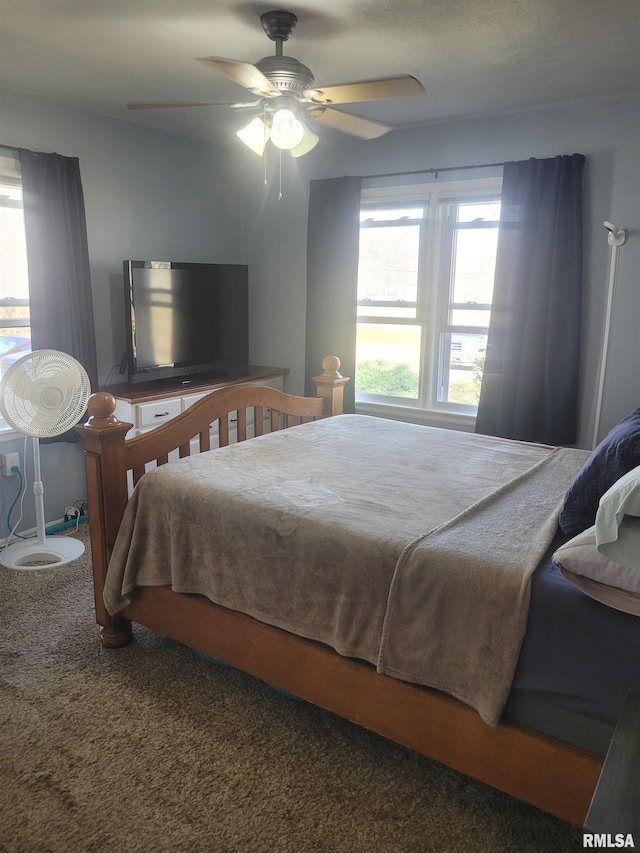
point(146, 405)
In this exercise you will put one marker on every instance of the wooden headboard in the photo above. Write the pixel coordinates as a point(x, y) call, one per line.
point(109, 457)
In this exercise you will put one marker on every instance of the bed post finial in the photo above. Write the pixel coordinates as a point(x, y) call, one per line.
point(101, 408)
point(330, 386)
point(331, 366)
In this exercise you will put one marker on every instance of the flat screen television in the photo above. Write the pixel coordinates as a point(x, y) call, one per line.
point(184, 319)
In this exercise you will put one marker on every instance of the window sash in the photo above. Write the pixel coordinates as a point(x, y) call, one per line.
point(434, 305)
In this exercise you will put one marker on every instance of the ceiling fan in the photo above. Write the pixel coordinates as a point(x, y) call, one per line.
point(285, 90)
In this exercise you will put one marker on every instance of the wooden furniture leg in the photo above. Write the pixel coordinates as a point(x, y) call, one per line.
point(103, 439)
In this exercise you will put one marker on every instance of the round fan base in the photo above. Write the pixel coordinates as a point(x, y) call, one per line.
point(31, 554)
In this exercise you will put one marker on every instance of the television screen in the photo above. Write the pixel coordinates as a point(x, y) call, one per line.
point(185, 318)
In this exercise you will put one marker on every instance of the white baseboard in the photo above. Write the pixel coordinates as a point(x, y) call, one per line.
point(32, 531)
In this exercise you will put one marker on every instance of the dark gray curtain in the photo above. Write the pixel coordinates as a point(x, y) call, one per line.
point(530, 382)
point(333, 237)
point(58, 258)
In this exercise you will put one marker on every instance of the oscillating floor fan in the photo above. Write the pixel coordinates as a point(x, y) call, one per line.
point(42, 395)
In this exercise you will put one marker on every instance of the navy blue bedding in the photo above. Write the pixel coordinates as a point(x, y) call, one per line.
point(577, 654)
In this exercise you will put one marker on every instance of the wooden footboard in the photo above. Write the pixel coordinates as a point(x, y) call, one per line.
point(542, 771)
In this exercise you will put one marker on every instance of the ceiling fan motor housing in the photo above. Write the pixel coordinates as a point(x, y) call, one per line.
point(286, 73)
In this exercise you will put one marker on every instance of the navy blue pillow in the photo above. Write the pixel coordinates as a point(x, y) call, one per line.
point(616, 455)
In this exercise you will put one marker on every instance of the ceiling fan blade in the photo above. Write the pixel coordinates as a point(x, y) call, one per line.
point(161, 105)
point(244, 73)
point(403, 86)
point(169, 104)
point(364, 128)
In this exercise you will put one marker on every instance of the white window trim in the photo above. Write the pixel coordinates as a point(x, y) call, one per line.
point(9, 175)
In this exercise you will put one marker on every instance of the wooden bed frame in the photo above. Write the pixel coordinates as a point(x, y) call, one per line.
point(549, 774)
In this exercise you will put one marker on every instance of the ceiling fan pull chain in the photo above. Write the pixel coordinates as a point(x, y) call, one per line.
point(280, 189)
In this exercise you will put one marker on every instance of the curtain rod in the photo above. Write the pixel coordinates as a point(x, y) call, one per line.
point(434, 171)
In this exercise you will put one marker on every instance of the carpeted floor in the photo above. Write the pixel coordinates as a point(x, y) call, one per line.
point(151, 749)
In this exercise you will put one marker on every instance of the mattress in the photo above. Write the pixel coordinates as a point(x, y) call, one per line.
point(578, 661)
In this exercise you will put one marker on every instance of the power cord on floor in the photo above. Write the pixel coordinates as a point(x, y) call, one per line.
point(19, 497)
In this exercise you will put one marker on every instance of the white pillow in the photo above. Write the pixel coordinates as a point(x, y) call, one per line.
point(617, 525)
point(584, 566)
point(618, 599)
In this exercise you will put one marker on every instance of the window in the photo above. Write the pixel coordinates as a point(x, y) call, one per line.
point(425, 285)
point(15, 324)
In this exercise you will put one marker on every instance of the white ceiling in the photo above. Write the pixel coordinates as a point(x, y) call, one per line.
point(472, 56)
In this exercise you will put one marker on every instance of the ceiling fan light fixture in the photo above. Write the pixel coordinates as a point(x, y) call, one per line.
point(308, 143)
point(254, 135)
point(286, 130)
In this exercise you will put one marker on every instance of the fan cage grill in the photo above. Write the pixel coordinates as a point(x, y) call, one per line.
point(44, 393)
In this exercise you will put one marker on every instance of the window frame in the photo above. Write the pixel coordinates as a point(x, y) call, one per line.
point(434, 290)
point(10, 179)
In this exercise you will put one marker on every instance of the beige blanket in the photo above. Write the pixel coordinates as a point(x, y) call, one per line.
point(328, 530)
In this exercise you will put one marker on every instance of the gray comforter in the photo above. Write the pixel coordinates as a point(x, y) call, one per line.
point(406, 546)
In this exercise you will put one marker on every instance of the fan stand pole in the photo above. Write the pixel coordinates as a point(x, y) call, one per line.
point(38, 493)
point(43, 552)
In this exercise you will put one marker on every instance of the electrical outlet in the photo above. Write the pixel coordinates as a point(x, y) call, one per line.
point(9, 461)
point(71, 513)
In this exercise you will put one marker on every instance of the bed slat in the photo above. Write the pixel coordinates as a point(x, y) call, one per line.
point(205, 441)
point(241, 425)
point(258, 420)
point(223, 432)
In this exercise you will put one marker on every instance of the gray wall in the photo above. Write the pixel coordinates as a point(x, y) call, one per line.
point(149, 193)
point(607, 131)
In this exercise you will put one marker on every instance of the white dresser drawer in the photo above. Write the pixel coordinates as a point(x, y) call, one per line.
point(156, 412)
point(190, 399)
point(276, 382)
